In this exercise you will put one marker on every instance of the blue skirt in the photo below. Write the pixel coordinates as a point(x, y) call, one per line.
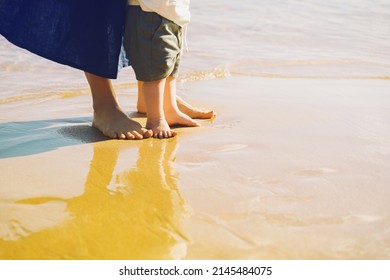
point(85, 34)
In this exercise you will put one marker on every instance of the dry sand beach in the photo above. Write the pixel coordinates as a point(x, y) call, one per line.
point(295, 165)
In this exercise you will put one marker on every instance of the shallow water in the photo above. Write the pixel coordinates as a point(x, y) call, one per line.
point(314, 39)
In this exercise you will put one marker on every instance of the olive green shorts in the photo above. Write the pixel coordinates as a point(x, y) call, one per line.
point(153, 44)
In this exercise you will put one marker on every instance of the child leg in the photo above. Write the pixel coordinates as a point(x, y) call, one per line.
point(186, 108)
point(154, 105)
point(173, 115)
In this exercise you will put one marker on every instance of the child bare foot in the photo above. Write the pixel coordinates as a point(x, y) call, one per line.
point(189, 110)
point(177, 118)
point(160, 128)
point(193, 112)
point(114, 123)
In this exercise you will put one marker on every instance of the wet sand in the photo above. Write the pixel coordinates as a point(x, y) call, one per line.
point(289, 169)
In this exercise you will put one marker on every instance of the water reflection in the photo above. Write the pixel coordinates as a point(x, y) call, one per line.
point(127, 211)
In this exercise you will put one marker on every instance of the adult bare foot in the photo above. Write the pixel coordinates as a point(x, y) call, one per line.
point(114, 123)
point(108, 117)
point(160, 128)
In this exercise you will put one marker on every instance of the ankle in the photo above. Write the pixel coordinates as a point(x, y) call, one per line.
point(156, 119)
point(106, 107)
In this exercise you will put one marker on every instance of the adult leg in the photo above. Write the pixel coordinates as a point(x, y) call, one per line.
point(108, 116)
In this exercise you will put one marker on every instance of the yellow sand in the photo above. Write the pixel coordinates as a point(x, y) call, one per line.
point(289, 169)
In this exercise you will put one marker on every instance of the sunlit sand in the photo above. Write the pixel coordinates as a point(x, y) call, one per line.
point(289, 169)
point(295, 165)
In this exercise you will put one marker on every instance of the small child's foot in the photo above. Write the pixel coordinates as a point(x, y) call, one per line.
point(160, 128)
point(196, 113)
point(189, 110)
point(177, 118)
point(193, 112)
point(114, 123)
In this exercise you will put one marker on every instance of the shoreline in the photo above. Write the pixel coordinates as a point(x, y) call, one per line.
point(289, 169)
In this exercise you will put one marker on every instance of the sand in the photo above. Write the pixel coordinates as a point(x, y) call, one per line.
point(289, 169)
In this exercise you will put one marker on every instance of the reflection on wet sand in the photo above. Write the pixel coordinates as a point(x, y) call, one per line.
point(131, 214)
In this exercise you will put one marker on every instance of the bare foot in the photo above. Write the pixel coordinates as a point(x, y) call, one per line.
point(177, 118)
point(160, 128)
point(192, 112)
point(114, 123)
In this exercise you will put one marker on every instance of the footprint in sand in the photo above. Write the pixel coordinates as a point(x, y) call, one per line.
point(315, 172)
point(362, 218)
point(230, 148)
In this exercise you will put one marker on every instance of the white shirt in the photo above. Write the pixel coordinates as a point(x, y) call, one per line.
point(177, 11)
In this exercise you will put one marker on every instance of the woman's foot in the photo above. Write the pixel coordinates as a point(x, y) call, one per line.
point(114, 123)
point(108, 117)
